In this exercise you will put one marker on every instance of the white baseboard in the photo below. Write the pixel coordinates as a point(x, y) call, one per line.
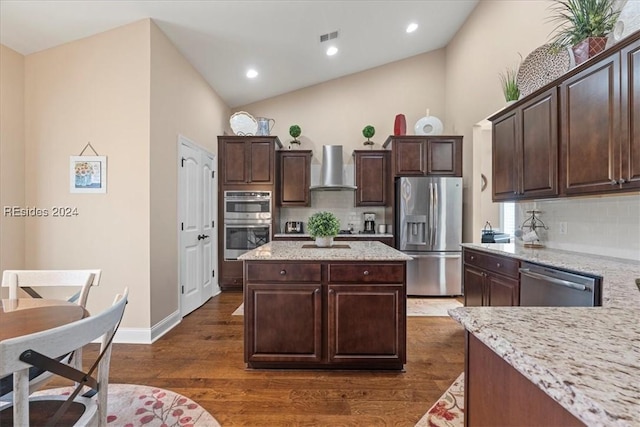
point(147, 335)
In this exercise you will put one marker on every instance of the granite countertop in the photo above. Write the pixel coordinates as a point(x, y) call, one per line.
point(294, 251)
point(586, 359)
point(354, 235)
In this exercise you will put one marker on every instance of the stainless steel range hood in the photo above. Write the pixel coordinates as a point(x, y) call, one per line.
point(332, 172)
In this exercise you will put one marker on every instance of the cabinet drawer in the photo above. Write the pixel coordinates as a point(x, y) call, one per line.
point(366, 273)
point(498, 264)
point(283, 272)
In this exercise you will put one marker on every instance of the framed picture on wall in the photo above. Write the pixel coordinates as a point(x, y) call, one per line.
point(88, 174)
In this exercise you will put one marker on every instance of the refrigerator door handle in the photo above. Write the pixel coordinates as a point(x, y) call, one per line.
point(436, 213)
point(430, 213)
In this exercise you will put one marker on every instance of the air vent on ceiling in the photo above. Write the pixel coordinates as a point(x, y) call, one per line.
point(328, 36)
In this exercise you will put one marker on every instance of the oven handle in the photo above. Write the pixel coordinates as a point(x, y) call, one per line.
point(566, 283)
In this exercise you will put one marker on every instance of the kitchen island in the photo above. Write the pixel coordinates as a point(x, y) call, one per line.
point(574, 366)
point(342, 307)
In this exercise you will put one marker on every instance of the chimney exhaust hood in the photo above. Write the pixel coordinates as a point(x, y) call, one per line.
point(331, 173)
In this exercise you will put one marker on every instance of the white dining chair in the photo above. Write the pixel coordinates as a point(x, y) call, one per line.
point(32, 281)
point(27, 280)
point(18, 355)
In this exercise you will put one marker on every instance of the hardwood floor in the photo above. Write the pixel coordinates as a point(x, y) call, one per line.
point(202, 358)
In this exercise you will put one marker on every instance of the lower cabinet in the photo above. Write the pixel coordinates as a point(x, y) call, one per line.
point(490, 280)
point(349, 315)
point(496, 394)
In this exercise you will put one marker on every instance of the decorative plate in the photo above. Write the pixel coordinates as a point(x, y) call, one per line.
point(628, 22)
point(243, 124)
point(542, 66)
point(428, 125)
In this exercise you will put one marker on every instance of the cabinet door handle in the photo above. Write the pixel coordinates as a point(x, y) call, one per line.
point(366, 272)
point(472, 257)
point(283, 272)
point(498, 265)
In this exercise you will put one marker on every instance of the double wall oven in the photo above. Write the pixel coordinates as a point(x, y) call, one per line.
point(247, 221)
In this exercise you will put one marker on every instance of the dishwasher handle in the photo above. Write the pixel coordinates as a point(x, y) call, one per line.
point(560, 282)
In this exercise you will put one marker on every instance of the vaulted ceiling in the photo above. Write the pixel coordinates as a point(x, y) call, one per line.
point(223, 39)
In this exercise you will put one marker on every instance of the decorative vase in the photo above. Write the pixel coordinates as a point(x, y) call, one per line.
point(591, 46)
point(400, 125)
point(324, 241)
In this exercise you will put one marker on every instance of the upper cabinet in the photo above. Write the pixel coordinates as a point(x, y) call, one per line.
point(373, 178)
point(247, 159)
point(417, 155)
point(630, 105)
point(525, 149)
point(294, 170)
point(578, 135)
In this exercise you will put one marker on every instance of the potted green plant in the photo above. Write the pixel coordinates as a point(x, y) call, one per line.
point(323, 226)
point(510, 85)
point(368, 132)
point(583, 25)
point(295, 132)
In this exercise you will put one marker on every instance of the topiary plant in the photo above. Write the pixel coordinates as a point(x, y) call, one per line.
point(368, 132)
point(295, 132)
point(323, 224)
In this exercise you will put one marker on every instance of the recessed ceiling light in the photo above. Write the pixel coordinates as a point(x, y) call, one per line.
point(252, 74)
point(332, 50)
point(412, 27)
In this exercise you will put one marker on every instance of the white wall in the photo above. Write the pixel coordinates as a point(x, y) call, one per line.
point(12, 164)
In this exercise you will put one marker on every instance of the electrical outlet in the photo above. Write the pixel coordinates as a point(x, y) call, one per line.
point(563, 227)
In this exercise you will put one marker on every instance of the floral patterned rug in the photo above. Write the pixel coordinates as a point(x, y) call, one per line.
point(448, 411)
point(139, 405)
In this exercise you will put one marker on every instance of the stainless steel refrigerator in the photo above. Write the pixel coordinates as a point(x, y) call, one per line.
point(429, 228)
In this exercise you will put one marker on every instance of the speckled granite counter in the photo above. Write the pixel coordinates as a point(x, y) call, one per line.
point(341, 236)
point(586, 359)
point(294, 251)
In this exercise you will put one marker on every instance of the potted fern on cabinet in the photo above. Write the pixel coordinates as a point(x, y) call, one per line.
point(583, 25)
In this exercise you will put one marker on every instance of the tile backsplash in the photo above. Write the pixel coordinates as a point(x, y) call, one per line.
point(608, 226)
point(338, 202)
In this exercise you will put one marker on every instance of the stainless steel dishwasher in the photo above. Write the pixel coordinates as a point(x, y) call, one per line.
point(548, 287)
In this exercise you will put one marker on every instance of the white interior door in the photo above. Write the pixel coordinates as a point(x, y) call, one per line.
point(197, 209)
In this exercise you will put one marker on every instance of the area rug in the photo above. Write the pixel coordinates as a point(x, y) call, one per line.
point(134, 405)
point(448, 411)
point(415, 306)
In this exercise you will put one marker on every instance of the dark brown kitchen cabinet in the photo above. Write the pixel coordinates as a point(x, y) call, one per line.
point(373, 179)
point(496, 394)
point(247, 159)
point(355, 333)
point(525, 149)
point(416, 155)
point(294, 178)
point(630, 107)
point(490, 280)
point(285, 322)
point(321, 314)
point(591, 132)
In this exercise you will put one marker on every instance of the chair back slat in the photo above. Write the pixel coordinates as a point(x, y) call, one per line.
point(28, 279)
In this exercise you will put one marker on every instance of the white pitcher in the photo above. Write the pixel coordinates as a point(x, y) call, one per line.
point(264, 126)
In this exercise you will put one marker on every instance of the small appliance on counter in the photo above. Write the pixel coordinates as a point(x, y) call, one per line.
point(293, 227)
point(369, 223)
